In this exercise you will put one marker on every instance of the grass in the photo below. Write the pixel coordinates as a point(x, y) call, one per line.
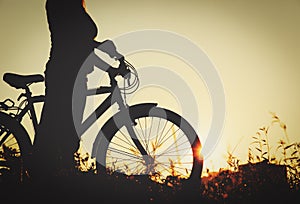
point(271, 173)
point(83, 187)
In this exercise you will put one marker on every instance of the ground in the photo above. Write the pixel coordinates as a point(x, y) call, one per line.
point(116, 188)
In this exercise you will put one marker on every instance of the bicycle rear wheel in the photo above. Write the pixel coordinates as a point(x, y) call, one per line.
point(169, 140)
point(15, 145)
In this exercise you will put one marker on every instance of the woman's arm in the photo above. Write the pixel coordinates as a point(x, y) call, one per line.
point(109, 47)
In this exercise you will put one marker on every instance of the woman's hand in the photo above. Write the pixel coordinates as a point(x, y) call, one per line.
point(122, 70)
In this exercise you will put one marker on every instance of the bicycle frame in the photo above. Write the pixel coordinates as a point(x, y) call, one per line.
point(29, 107)
point(114, 97)
point(31, 100)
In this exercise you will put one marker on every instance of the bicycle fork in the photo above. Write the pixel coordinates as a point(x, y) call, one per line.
point(149, 160)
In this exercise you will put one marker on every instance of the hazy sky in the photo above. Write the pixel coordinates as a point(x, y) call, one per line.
point(254, 45)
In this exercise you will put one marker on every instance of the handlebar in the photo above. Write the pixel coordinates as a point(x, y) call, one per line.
point(122, 70)
point(128, 72)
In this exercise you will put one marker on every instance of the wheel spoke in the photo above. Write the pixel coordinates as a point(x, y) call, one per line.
point(174, 146)
point(126, 137)
point(159, 138)
point(174, 149)
point(139, 137)
point(122, 153)
point(170, 153)
point(149, 135)
point(177, 167)
point(156, 137)
point(144, 134)
point(168, 136)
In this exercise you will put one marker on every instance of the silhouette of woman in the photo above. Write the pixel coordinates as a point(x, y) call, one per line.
point(72, 41)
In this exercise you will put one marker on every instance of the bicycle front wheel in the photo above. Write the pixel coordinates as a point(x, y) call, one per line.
point(169, 140)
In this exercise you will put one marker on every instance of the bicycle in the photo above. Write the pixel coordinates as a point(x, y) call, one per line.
point(138, 139)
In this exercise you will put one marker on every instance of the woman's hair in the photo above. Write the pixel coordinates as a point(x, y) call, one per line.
point(83, 4)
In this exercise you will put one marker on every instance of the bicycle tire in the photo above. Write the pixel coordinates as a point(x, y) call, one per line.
point(15, 149)
point(109, 141)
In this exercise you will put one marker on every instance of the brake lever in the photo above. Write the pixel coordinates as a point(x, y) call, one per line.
point(128, 78)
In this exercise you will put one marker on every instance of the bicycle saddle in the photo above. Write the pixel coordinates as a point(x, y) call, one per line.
point(21, 81)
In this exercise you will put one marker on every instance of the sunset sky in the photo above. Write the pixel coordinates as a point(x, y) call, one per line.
point(254, 46)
